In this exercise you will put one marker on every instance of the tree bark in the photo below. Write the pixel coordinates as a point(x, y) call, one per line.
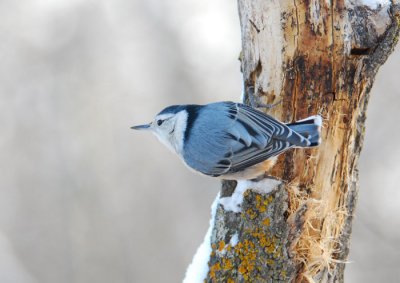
point(317, 57)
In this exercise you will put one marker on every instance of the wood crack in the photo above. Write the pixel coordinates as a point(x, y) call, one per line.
point(333, 84)
point(254, 26)
point(297, 26)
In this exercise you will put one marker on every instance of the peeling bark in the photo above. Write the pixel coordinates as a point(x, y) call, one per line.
point(317, 57)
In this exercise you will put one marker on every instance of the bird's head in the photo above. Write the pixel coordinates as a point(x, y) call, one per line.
point(169, 126)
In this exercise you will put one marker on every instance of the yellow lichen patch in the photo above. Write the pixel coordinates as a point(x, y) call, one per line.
point(262, 203)
point(246, 193)
point(263, 242)
point(213, 269)
point(283, 273)
point(270, 249)
point(269, 243)
point(251, 213)
point(270, 262)
point(221, 246)
point(267, 221)
point(259, 202)
point(242, 270)
point(227, 264)
point(247, 254)
point(278, 252)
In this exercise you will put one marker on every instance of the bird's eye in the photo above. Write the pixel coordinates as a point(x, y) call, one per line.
point(159, 122)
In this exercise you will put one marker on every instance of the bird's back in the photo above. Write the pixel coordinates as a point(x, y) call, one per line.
point(205, 137)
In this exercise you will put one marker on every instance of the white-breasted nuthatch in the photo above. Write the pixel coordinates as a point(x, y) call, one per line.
point(230, 140)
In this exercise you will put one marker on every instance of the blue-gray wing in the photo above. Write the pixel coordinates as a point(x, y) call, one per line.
point(239, 137)
point(253, 138)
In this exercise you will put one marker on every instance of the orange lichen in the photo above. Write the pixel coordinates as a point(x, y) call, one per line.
point(266, 221)
point(213, 269)
point(262, 203)
point(251, 213)
point(221, 246)
point(247, 253)
point(227, 264)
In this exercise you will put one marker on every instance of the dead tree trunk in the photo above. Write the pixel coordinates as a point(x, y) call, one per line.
point(317, 57)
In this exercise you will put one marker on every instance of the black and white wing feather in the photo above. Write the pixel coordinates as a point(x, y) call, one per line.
point(256, 137)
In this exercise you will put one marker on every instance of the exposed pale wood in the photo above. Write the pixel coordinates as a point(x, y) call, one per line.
point(318, 57)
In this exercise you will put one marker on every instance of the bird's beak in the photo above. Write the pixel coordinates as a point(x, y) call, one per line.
point(142, 127)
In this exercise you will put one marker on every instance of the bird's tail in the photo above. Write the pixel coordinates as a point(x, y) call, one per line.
point(309, 128)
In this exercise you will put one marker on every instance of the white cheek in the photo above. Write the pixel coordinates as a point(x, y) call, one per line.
point(172, 133)
point(180, 126)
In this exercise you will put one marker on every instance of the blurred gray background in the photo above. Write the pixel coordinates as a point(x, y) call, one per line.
point(85, 199)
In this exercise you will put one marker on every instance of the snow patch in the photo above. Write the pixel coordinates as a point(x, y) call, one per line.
point(374, 4)
point(265, 186)
point(234, 240)
point(198, 269)
point(234, 202)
